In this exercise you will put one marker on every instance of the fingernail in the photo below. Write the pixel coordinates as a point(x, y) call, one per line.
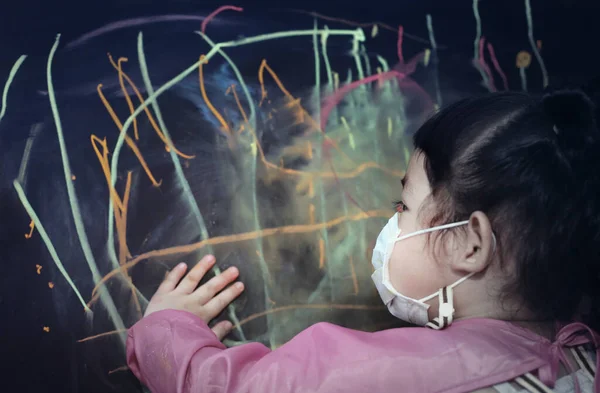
point(233, 269)
point(182, 265)
point(239, 285)
point(209, 258)
point(228, 325)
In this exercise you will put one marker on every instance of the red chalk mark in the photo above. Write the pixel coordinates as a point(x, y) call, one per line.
point(331, 102)
point(400, 72)
point(217, 11)
point(497, 65)
point(484, 65)
point(400, 39)
point(411, 66)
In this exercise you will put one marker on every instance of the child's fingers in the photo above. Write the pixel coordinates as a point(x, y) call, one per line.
point(222, 300)
point(191, 280)
point(222, 329)
point(172, 278)
point(215, 285)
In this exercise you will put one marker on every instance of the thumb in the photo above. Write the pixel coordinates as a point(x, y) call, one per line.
point(222, 329)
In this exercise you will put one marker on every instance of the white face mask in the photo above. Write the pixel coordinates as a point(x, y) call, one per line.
point(401, 306)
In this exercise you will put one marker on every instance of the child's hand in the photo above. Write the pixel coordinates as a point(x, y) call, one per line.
point(204, 301)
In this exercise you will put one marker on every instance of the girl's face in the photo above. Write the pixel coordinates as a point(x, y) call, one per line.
point(414, 270)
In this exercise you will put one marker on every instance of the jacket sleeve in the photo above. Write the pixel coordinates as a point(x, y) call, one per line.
point(176, 352)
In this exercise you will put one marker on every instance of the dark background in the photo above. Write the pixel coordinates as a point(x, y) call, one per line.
point(33, 361)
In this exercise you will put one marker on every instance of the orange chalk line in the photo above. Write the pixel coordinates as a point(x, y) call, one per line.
point(354, 278)
point(122, 368)
point(123, 249)
point(252, 317)
point(261, 79)
point(264, 66)
point(344, 175)
point(151, 119)
point(214, 111)
point(290, 229)
point(31, 227)
point(120, 212)
point(102, 335)
point(119, 208)
point(124, 90)
point(301, 113)
point(128, 139)
point(321, 253)
point(239, 105)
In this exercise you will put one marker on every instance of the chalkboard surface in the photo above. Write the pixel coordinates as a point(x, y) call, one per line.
point(135, 136)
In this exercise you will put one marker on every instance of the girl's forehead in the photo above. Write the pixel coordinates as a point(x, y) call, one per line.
point(415, 181)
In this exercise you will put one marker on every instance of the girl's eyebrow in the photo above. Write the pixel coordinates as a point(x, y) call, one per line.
point(404, 183)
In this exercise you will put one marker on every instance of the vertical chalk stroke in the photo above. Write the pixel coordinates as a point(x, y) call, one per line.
point(317, 87)
point(35, 130)
point(523, 62)
point(476, 43)
point(434, 61)
point(356, 40)
point(343, 252)
point(330, 80)
point(534, 47)
point(47, 242)
point(256, 220)
point(365, 57)
point(11, 77)
point(325, 257)
point(79, 226)
point(183, 183)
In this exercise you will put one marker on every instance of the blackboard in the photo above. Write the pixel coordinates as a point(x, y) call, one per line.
point(276, 141)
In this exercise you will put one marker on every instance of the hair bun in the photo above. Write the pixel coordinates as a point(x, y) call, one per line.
point(573, 116)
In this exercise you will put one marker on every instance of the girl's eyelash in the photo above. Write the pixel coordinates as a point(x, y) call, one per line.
point(400, 206)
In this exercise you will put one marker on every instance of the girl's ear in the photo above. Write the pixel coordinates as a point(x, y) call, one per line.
point(480, 245)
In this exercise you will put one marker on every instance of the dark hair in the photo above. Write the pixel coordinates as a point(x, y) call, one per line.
point(532, 164)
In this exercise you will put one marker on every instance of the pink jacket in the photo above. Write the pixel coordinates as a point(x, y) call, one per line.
point(175, 351)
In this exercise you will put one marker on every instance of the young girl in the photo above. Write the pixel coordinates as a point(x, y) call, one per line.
point(499, 209)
